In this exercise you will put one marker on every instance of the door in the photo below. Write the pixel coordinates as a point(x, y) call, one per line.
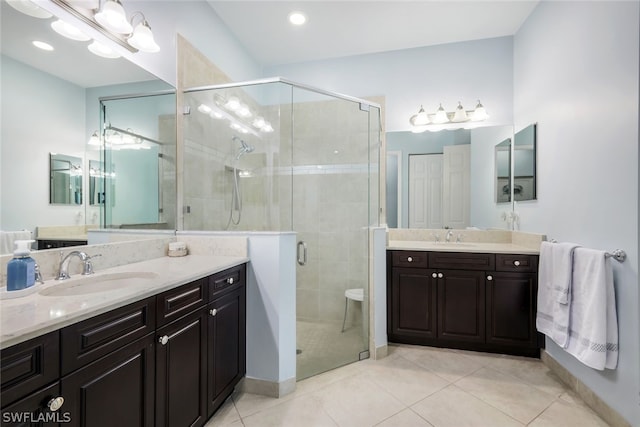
point(181, 364)
point(461, 310)
point(331, 181)
point(457, 186)
point(413, 302)
point(425, 191)
point(226, 346)
point(116, 390)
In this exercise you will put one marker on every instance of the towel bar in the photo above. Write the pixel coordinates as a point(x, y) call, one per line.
point(619, 255)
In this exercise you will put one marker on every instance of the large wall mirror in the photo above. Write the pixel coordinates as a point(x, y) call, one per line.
point(50, 103)
point(446, 179)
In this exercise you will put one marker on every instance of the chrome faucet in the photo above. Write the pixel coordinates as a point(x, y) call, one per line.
point(87, 267)
point(449, 234)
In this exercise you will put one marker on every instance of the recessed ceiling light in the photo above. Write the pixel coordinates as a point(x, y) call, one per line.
point(42, 45)
point(297, 18)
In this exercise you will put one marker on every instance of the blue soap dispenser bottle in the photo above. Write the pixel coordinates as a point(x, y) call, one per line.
point(21, 270)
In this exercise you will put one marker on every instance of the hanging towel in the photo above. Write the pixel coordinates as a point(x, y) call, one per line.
point(562, 279)
point(8, 237)
point(593, 320)
point(544, 315)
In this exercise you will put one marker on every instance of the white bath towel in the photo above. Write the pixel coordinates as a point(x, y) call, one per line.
point(561, 283)
point(593, 320)
point(546, 300)
point(8, 237)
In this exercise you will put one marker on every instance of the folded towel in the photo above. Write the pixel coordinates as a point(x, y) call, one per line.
point(562, 279)
point(593, 320)
point(544, 315)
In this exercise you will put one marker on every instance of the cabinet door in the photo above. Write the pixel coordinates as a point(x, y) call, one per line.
point(33, 410)
point(511, 308)
point(413, 299)
point(226, 346)
point(181, 389)
point(461, 311)
point(116, 390)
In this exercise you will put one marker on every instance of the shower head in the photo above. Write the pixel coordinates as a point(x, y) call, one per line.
point(246, 148)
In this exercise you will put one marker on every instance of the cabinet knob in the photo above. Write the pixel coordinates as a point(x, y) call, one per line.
point(55, 403)
point(230, 280)
point(440, 275)
point(163, 340)
point(213, 311)
point(516, 263)
point(489, 277)
point(409, 259)
point(434, 275)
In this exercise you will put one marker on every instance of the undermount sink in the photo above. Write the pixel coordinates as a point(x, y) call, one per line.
point(455, 245)
point(96, 283)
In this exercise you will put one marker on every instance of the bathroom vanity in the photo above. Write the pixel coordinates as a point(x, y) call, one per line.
point(170, 357)
point(470, 296)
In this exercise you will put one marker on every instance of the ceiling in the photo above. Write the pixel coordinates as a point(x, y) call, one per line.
point(344, 28)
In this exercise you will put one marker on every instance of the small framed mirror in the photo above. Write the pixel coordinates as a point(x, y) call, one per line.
point(524, 164)
point(65, 179)
point(503, 171)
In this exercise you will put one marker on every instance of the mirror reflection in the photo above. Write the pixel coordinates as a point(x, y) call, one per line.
point(503, 171)
point(444, 179)
point(524, 167)
point(65, 179)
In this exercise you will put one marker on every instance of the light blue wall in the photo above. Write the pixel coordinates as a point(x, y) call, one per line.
point(40, 114)
point(449, 73)
point(576, 75)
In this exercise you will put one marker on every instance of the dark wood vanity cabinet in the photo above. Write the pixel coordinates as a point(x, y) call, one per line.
point(169, 360)
point(473, 301)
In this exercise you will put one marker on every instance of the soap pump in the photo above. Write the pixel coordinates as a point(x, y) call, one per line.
point(21, 270)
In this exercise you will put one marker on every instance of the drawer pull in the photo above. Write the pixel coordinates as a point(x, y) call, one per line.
point(440, 275)
point(434, 275)
point(230, 280)
point(516, 263)
point(409, 259)
point(163, 340)
point(489, 278)
point(213, 311)
point(55, 403)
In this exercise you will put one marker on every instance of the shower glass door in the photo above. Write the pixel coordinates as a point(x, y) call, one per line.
point(330, 214)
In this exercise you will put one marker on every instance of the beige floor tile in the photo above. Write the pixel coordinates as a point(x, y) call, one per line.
point(314, 383)
point(563, 414)
point(446, 364)
point(406, 418)
point(357, 401)
point(404, 380)
point(507, 393)
point(226, 415)
point(452, 407)
point(248, 404)
point(484, 359)
point(532, 371)
point(303, 411)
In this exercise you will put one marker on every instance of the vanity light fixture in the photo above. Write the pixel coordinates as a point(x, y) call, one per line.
point(69, 31)
point(94, 140)
point(112, 17)
point(142, 37)
point(442, 119)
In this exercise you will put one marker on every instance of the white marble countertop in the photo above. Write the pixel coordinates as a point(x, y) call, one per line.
point(36, 314)
point(478, 247)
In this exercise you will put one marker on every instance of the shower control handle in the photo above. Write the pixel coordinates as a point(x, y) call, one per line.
point(302, 253)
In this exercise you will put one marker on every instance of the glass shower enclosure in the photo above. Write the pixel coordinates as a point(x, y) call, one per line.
point(274, 155)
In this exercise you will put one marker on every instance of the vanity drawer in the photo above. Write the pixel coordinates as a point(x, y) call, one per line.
point(462, 261)
point(177, 302)
point(516, 262)
point(227, 280)
point(29, 365)
point(93, 338)
point(416, 259)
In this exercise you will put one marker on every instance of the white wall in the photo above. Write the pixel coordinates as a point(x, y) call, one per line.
point(576, 75)
point(449, 73)
point(40, 114)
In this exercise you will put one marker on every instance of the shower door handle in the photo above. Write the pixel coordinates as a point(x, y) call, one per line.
point(302, 254)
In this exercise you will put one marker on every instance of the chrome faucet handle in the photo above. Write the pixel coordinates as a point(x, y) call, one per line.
point(449, 234)
point(436, 238)
point(39, 274)
point(88, 266)
point(459, 238)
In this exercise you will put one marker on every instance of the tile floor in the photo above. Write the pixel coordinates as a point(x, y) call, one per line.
point(419, 386)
